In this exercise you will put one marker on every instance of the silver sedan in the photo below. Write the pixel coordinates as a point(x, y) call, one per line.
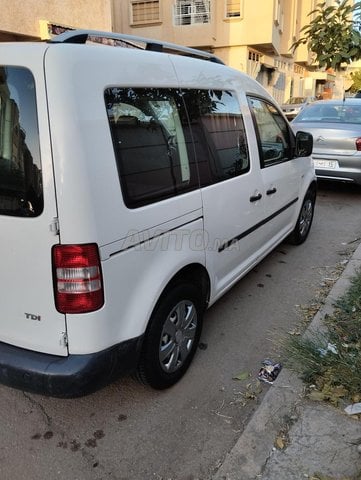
point(336, 129)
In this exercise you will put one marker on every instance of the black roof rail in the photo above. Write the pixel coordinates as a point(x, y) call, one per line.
point(133, 41)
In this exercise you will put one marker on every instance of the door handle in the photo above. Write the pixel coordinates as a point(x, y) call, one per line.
point(271, 191)
point(255, 198)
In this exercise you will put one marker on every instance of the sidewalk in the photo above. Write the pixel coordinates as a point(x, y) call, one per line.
point(321, 439)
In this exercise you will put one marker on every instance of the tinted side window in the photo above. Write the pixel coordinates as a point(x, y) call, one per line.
point(21, 192)
point(218, 134)
point(273, 132)
point(149, 131)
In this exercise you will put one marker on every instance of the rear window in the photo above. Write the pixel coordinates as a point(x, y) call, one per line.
point(148, 128)
point(20, 169)
point(330, 113)
point(169, 141)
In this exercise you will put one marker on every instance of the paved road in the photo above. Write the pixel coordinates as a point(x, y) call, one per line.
point(129, 432)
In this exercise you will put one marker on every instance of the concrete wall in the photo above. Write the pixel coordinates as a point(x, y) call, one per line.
point(23, 16)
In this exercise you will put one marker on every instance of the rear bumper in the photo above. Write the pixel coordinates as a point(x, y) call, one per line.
point(339, 175)
point(66, 377)
point(347, 168)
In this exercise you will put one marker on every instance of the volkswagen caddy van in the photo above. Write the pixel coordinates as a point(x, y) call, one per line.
point(138, 183)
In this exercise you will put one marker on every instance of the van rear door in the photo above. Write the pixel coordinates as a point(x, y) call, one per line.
point(28, 317)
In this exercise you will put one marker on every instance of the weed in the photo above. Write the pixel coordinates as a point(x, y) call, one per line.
point(330, 361)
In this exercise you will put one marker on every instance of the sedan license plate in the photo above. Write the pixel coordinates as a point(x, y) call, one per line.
point(325, 163)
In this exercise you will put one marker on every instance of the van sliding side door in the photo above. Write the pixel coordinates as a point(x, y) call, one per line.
point(232, 188)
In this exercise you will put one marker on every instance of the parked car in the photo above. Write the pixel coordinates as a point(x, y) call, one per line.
point(294, 105)
point(336, 129)
point(137, 186)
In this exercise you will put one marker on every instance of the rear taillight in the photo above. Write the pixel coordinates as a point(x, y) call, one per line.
point(78, 281)
point(358, 144)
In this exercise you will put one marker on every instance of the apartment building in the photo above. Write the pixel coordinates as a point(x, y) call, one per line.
point(254, 36)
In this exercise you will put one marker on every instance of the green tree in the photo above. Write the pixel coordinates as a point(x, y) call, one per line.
point(356, 78)
point(333, 35)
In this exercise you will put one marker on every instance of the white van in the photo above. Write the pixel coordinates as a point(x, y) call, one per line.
point(136, 187)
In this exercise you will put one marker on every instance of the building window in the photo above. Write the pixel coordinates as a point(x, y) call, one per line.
point(189, 12)
point(145, 11)
point(233, 8)
point(255, 57)
point(253, 63)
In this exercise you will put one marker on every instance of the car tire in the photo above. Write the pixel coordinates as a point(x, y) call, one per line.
point(172, 336)
point(304, 220)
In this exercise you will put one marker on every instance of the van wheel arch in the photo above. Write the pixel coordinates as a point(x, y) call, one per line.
point(175, 327)
point(195, 274)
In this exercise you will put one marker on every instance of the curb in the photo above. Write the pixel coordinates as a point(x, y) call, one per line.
point(247, 459)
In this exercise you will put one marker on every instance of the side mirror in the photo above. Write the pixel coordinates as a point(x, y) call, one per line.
point(304, 144)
